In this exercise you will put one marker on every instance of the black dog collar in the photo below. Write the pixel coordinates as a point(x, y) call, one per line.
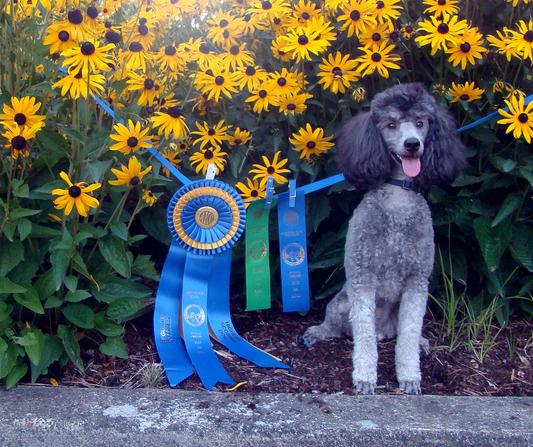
point(410, 185)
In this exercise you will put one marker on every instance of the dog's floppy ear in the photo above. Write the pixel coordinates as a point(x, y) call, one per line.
point(363, 157)
point(443, 156)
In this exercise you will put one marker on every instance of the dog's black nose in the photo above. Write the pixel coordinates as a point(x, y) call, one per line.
point(411, 144)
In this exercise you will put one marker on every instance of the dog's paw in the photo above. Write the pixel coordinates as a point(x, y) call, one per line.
point(364, 387)
point(425, 347)
point(311, 336)
point(410, 386)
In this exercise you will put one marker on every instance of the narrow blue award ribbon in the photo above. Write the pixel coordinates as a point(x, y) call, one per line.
point(198, 269)
point(293, 253)
point(218, 305)
point(166, 318)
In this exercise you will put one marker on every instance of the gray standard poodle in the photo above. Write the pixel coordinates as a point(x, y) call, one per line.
point(404, 144)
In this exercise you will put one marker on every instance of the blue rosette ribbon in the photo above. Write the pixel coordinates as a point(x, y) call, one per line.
point(205, 218)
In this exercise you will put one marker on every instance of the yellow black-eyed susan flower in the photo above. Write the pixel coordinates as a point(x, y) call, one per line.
point(250, 77)
point(301, 43)
point(236, 56)
point(374, 35)
point(19, 137)
point(337, 72)
point(223, 29)
point(76, 85)
point(356, 16)
point(149, 197)
point(277, 50)
point(502, 42)
point(58, 38)
point(75, 25)
point(302, 12)
point(441, 32)
point(438, 7)
point(211, 135)
point(522, 40)
point(130, 138)
point(467, 48)
point(262, 99)
point(466, 92)
point(310, 142)
point(519, 118)
point(87, 57)
point(170, 121)
point(130, 175)
point(387, 11)
point(148, 86)
point(269, 9)
point(240, 136)
point(274, 169)
point(251, 190)
point(204, 157)
point(135, 57)
point(76, 195)
point(215, 82)
point(359, 94)
point(381, 59)
point(23, 112)
point(292, 104)
point(169, 59)
point(172, 155)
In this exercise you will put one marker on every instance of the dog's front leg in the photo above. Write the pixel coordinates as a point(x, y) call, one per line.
point(410, 319)
point(365, 353)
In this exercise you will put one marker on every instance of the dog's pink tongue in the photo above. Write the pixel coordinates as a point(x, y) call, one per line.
point(411, 166)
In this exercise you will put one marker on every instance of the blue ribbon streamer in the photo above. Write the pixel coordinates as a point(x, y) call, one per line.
point(293, 254)
point(218, 306)
point(166, 318)
point(196, 278)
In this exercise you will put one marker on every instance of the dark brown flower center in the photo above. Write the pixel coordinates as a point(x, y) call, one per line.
point(277, 20)
point(443, 28)
point(143, 30)
point(441, 2)
point(250, 71)
point(237, 141)
point(523, 118)
point(528, 36)
point(18, 143)
point(394, 36)
point(336, 71)
point(376, 57)
point(211, 132)
point(270, 170)
point(20, 119)
point(113, 37)
point(266, 5)
point(311, 145)
point(134, 181)
point(219, 80)
point(209, 72)
point(262, 93)
point(225, 34)
point(208, 154)
point(282, 82)
point(408, 29)
point(148, 84)
point(380, 5)
point(203, 49)
point(376, 37)
point(132, 142)
point(465, 47)
point(75, 16)
point(254, 193)
point(92, 12)
point(234, 50)
point(355, 15)
point(305, 16)
point(87, 48)
point(174, 111)
point(464, 97)
point(74, 191)
point(170, 50)
point(63, 36)
point(135, 47)
point(303, 40)
point(291, 107)
point(223, 23)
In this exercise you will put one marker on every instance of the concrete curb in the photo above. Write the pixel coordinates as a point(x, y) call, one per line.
point(64, 416)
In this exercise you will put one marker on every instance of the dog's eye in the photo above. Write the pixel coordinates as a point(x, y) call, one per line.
point(420, 124)
point(391, 125)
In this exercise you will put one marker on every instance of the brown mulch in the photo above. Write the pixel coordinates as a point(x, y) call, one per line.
point(507, 368)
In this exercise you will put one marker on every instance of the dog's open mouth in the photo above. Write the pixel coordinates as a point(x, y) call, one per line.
point(410, 165)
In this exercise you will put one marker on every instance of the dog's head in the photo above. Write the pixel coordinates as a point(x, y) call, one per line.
point(405, 127)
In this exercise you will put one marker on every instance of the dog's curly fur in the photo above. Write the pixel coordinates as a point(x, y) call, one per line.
point(389, 250)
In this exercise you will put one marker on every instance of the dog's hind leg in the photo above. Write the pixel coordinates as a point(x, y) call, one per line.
point(335, 323)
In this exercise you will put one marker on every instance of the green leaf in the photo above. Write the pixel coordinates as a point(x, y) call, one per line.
point(121, 288)
point(20, 189)
point(155, 224)
point(3, 346)
point(79, 314)
point(120, 230)
point(527, 174)
point(503, 164)
point(124, 309)
point(52, 350)
point(71, 346)
point(24, 228)
point(319, 210)
point(451, 210)
point(98, 168)
point(509, 205)
point(19, 213)
point(11, 253)
point(8, 286)
point(77, 296)
point(60, 260)
point(53, 302)
point(492, 240)
point(45, 285)
point(114, 346)
point(71, 282)
point(16, 374)
point(145, 267)
point(108, 327)
point(115, 254)
point(33, 343)
point(522, 245)
point(30, 299)
point(40, 231)
point(8, 360)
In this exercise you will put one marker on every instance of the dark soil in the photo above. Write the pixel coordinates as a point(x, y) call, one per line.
point(506, 370)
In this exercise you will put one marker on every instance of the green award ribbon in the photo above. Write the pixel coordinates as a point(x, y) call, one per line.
point(257, 257)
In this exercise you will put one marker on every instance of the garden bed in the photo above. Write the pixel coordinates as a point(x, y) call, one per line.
point(326, 367)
